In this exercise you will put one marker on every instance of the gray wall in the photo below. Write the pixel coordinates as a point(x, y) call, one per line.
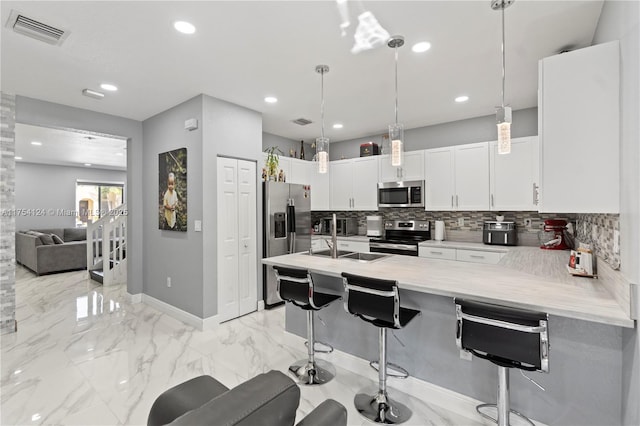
point(48, 114)
point(45, 187)
point(190, 258)
point(620, 20)
point(229, 131)
point(171, 253)
point(479, 129)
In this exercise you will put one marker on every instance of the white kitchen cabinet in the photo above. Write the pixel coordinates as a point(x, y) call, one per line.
point(299, 171)
point(351, 245)
point(578, 125)
point(478, 256)
point(411, 169)
point(437, 253)
point(354, 184)
point(514, 176)
point(320, 188)
point(457, 178)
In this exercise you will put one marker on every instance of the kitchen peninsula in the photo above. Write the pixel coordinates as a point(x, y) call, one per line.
point(584, 383)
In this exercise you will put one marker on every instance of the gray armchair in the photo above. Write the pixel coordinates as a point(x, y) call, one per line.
point(269, 399)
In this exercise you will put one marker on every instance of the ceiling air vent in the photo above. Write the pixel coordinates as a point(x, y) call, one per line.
point(35, 29)
point(302, 121)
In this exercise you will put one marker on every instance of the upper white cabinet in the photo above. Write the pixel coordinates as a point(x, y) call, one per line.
point(457, 178)
point(320, 188)
point(578, 125)
point(411, 169)
point(514, 176)
point(300, 171)
point(354, 184)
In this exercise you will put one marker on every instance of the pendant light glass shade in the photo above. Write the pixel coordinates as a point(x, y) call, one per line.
point(503, 113)
point(322, 143)
point(322, 150)
point(503, 117)
point(396, 136)
point(396, 130)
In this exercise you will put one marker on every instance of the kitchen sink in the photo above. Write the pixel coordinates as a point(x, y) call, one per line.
point(327, 253)
point(343, 254)
point(364, 257)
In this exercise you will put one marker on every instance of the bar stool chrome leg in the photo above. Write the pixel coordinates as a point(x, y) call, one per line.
point(379, 408)
point(500, 412)
point(311, 371)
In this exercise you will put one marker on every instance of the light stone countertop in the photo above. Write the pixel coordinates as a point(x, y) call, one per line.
point(526, 277)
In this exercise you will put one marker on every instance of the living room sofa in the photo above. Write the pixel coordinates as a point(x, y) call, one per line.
point(37, 249)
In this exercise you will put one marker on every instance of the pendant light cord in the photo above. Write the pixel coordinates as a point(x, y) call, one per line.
point(322, 102)
point(503, 61)
point(396, 110)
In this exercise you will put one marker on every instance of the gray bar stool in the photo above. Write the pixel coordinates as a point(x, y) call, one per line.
point(509, 338)
point(377, 302)
point(296, 286)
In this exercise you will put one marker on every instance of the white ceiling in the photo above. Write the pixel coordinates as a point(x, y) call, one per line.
point(243, 51)
point(69, 148)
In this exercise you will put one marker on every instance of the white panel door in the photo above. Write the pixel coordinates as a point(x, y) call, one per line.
point(228, 274)
point(439, 179)
point(341, 185)
point(365, 183)
point(247, 255)
point(472, 176)
point(514, 176)
point(237, 242)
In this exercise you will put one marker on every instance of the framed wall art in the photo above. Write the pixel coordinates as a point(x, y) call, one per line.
point(172, 181)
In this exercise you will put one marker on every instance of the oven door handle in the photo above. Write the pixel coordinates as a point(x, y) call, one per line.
point(410, 247)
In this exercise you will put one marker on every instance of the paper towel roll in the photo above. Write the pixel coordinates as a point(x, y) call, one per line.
point(439, 230)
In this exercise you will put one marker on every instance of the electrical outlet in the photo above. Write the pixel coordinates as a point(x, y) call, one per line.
point(461, 221)
point(168, 281)
point(527, 223)
point(465, 355)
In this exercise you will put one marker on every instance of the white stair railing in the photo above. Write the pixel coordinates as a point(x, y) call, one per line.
point(107, 246)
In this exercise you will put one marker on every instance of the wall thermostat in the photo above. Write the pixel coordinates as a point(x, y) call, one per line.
point(191, 124)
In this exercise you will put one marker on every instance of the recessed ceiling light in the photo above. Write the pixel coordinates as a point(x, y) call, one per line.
point(18, 158)
point(93, 93)
point(109, 87)
point(184, 27)
point(463, 98)
point(271, 99)
point(338, 126)
point(87, 164)
point(36, 143)
point(421, 47)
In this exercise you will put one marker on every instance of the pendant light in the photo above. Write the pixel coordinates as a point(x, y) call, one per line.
point(503, 113)
point(322, 143)
point(396, 130)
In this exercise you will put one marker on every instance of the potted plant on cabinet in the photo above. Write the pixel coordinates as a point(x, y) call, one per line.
point(271, 163)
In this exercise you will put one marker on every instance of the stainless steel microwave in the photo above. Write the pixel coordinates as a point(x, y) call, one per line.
point(401, 194)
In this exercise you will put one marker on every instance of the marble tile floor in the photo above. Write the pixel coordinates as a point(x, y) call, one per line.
point(85, 355)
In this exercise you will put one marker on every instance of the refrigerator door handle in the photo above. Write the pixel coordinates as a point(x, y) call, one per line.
point(291, 224)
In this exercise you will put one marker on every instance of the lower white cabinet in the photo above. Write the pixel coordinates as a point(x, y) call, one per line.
point(437, 253)
point(461, 255)
point(478, 256)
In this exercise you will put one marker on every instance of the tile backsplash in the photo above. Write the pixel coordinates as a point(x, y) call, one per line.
point(594, 229)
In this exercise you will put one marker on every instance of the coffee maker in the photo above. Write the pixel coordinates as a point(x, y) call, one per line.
point(554, 235)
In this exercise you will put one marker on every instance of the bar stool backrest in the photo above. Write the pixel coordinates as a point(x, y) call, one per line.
point(294, 285)
point(508, 337)
point(372, 299)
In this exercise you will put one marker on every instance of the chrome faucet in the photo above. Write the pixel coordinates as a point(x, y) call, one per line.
point(334, 237)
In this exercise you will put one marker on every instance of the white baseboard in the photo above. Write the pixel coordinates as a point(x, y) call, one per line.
point(197, 322)
point(135, 298)
point(434, 394)
point(260, 305)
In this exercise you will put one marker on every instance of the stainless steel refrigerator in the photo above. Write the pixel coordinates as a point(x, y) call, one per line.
point(287, 228)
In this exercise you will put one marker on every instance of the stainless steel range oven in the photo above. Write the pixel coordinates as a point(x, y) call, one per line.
point(401, 237)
